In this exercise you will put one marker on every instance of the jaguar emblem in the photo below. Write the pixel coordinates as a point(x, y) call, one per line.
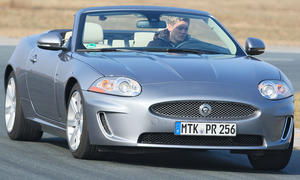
point(205, 109)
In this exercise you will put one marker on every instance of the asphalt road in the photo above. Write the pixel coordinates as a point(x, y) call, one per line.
point(50, 157)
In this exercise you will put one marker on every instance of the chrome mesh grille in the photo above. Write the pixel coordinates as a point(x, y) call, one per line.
point(171, 139)
point(190, 110)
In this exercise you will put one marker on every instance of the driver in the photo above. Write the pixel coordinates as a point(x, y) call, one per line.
point(175, 33)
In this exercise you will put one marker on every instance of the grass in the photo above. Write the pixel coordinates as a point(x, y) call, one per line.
point(274, 21)
point(297, 110)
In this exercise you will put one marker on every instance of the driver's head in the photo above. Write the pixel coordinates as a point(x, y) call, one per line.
point(178, 28)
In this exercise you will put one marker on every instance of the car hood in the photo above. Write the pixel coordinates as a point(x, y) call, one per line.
point(149, 67)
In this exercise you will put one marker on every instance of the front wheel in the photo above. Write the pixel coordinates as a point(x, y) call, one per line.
point(18, 127)
point(77, 131)
point(272, 159)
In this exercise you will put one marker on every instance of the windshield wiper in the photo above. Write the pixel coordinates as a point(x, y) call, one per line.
point(174, 50)
point(194, 51)
point(106, 50)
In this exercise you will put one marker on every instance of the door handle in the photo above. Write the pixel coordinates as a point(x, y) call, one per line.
point(33, 59)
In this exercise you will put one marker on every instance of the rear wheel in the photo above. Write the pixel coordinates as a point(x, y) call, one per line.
point(18, 128)
point(77, 133)
point(272, 159)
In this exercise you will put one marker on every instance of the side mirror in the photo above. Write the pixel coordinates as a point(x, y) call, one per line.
point(254, 46)
point(50, 41)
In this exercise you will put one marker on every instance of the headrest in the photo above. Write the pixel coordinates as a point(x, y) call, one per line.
point(141, 39)
point(93, 33)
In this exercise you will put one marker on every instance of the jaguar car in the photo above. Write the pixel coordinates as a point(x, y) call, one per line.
point(149, 77)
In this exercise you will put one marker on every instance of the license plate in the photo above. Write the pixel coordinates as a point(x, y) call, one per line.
point(205, 129)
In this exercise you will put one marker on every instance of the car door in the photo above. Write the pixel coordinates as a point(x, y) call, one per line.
point(42, 65)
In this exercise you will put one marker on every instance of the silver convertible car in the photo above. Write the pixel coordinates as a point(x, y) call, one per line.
point(155, 78)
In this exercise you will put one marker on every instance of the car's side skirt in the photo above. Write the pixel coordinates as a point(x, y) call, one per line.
point(50, 128)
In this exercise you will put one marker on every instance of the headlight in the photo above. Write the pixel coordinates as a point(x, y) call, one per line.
point(273, 89)
point(116, 85)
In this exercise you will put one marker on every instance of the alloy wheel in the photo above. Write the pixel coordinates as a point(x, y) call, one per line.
point(10, 104)
point(75, 121)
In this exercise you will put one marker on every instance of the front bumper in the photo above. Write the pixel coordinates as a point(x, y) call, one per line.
point(129, 117)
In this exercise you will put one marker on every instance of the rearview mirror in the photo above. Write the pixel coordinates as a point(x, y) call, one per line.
point(151, 24)
point(50, 41)
point(254, 46)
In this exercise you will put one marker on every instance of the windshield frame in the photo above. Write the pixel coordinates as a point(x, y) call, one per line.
point(82, 18)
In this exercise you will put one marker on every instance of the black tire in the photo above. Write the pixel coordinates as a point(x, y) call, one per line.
point(272, 159)
point(85, 150)
point(22, 128)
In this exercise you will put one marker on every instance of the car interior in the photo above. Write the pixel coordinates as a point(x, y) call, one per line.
point(95, 37)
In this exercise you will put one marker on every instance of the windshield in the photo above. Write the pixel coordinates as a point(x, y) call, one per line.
point(154, 31)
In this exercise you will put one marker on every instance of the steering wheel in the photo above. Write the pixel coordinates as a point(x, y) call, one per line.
point(190, 44)
point(202, 46)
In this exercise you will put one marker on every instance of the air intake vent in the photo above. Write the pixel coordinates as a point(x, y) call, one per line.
point(288, 121)
point(104, 123)
point(171, 139)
